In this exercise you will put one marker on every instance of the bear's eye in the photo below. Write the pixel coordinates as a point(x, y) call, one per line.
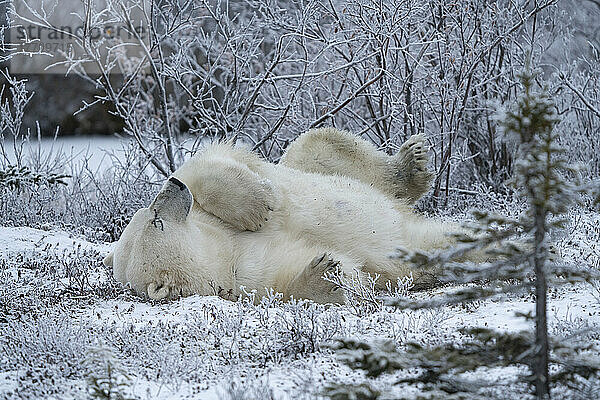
point(157, 222)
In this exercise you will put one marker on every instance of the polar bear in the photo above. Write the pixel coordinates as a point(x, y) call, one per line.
point(228, 218)
point(330, 151)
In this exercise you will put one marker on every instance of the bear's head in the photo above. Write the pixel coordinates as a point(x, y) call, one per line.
point(160, 252)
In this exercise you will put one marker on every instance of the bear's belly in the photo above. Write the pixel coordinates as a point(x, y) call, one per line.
point(355, 223)
point(272, 258)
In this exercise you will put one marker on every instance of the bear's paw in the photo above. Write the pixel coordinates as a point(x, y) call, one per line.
point(253, 215)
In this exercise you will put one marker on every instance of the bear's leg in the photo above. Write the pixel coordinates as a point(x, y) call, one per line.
point(329, 151)
point(231, 191)
point(309, 284)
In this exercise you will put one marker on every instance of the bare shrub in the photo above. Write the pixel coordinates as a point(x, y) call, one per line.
point(264, 71)
point(361, 290)
point(285, 329)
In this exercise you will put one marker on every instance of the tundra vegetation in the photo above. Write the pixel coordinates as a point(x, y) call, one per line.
point(507, 94)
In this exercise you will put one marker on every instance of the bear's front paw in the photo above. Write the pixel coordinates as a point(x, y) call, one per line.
point(409, 169)
point(157, 291)
point(259, 207)
point(160, 290)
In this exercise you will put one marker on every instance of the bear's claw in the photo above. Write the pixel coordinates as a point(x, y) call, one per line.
point(255, 213)
point(410, 168)
point(324, 264)
point(312, 279)
point(317, 260)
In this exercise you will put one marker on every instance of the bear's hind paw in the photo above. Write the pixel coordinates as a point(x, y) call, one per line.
point(321, 290)
point(410, 170)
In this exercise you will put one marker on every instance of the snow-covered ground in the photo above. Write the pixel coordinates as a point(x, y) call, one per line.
point(58, 340)
point(95, 151)
point(67, 329)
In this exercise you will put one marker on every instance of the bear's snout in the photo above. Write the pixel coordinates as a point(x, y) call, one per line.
point(177, 182)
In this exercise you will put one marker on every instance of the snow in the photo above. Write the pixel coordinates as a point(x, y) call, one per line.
point(23, 240)
point(95, 151)
point(285, 377)
point(8, 381)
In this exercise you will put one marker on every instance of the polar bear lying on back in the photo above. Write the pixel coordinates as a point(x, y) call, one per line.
point(228, 218)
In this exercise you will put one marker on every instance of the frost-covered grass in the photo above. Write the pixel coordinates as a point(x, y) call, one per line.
point(384, 70)
point(67, 330)
point(102, 190)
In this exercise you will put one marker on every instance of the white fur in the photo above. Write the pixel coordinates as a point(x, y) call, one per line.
point(330, 151)
point(260, 225)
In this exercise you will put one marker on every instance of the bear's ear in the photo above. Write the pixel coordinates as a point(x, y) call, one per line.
point(173, 201)
point(108, 260)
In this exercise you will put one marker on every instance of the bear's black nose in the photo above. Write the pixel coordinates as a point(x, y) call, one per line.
point(177, 182)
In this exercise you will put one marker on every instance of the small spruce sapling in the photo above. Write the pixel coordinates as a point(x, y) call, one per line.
point(107, 380)
point(542, 173)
